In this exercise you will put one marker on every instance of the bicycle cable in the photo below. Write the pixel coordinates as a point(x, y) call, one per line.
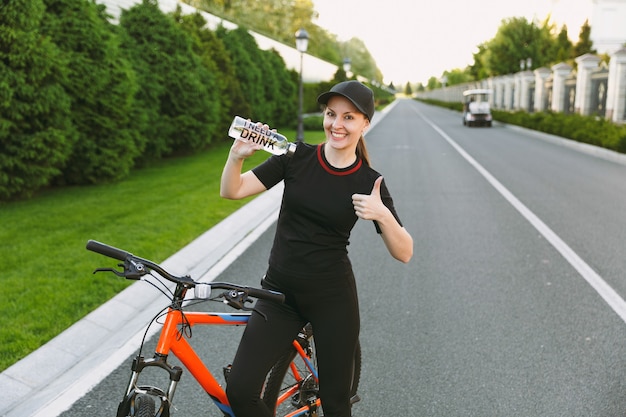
point(165, 290)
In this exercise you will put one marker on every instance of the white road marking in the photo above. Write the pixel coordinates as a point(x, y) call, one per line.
point(605, 291)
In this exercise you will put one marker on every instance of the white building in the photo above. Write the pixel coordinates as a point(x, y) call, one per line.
point(608, 25)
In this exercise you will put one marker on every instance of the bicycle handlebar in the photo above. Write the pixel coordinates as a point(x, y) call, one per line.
point(139, 265)
point(107, 250)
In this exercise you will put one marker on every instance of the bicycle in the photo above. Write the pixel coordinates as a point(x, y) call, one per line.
point(291, 387)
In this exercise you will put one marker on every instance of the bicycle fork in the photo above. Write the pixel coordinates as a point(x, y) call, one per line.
point(127, 405)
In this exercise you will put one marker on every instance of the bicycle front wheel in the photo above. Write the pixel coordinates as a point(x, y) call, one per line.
point(143, 406)
point(291, 383)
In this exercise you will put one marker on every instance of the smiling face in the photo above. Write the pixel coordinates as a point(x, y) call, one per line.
point(343, 123)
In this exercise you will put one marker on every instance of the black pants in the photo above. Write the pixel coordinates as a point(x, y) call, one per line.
point(330, 304)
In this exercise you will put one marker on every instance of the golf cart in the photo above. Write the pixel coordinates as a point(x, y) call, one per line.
point(476, 110)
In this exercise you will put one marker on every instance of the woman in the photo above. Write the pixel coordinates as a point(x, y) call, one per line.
point(327, 188)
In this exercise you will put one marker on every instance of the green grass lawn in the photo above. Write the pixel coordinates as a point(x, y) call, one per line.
point(46, 280)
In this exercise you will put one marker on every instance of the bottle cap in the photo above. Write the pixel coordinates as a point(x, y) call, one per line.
point(291, 149)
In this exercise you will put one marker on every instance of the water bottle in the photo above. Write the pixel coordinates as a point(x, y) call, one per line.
point(272, 142)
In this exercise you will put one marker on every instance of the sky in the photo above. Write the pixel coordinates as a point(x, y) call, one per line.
point(413, 40)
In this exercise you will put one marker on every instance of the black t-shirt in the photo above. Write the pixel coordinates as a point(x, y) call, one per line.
point(316, 215)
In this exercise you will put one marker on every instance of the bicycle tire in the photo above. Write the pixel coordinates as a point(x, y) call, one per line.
point(276, 381)
point(144, 406)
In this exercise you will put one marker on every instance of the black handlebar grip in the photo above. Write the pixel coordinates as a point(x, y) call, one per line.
point(107, 250)
point(267, 295)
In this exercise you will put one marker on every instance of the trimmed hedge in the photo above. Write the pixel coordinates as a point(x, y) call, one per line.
point(593, 130)
point(586, 129)
point(36, 131)
point(83, 101)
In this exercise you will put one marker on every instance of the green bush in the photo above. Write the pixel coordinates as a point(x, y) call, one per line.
point(101, 86)
point(237, 43)
point(228, 95)
point(36, 131)
point(313, 123)
point(176, 107)
point(587, 129)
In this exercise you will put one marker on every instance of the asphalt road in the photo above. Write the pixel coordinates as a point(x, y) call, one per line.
point(507, 308)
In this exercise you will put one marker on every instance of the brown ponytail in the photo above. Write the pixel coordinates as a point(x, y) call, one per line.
point(361, 151)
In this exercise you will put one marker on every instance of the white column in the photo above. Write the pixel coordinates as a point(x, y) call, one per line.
point(560, 72)
point(509, 86)
point(490, 84)
point(616, 87)
point(498, 92)
point(541, 75)
point(526, 79)
point(586, 65)
point(517, 90)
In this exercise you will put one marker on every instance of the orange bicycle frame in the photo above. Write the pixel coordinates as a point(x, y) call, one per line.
point(171, 340)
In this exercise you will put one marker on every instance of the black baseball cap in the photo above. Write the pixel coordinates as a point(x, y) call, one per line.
point(359, 94)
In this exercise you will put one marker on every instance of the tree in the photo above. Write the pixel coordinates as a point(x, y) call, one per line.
point(361, 59)
point(270, 89)
point(321, 43)
point(101, 86)
point(584, 44)
point(36, 132)
point(516, 41)
point(433, 83)
point(285, 94)
point(242, 49)
point(478, 70)
point(212, 52)
point(564, 47)
point(511, 44)
point(458, 76)
point(408, 90)
point(287, 16)
point(177, 109)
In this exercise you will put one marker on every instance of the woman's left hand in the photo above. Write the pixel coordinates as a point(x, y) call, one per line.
point(370, 206)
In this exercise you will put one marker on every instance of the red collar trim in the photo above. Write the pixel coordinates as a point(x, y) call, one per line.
point(335, 171)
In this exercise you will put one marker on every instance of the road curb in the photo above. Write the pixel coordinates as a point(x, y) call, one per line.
point(49, 380)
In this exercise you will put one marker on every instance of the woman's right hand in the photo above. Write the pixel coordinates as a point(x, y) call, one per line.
point(233, 184)
point(243, 148)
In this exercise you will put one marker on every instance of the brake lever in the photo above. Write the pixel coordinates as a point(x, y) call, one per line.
point(235, 299)
point(132, 270)
point(238, 299)
point(119, 274)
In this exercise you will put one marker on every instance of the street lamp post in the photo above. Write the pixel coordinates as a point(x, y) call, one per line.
point(347, 65)
point(302, 42)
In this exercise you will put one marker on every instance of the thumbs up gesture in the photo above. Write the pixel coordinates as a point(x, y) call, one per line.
point(370, 206)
